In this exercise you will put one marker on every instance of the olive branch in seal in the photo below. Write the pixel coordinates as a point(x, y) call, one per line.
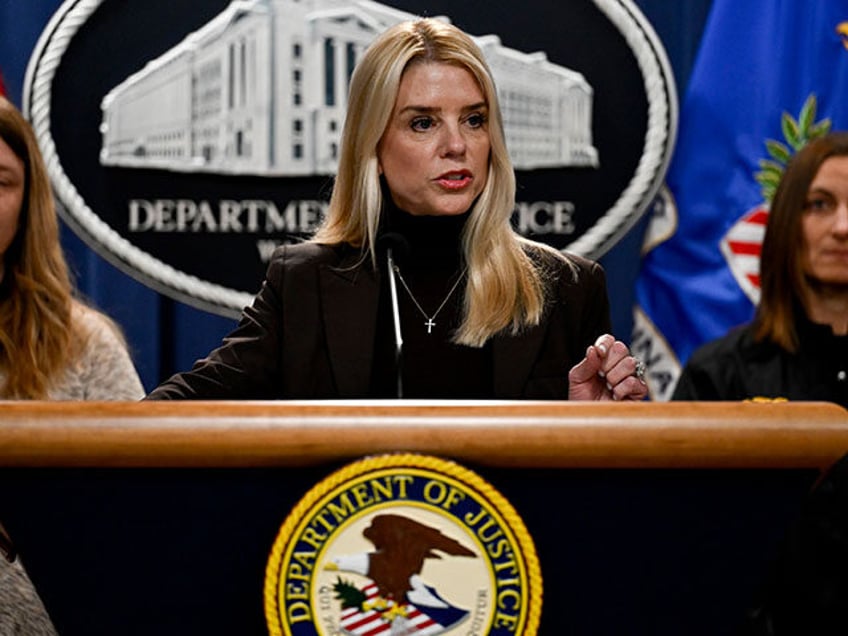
point(796, 134)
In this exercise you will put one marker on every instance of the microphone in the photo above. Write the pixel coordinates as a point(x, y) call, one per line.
point(396, 322)
point(391, 241)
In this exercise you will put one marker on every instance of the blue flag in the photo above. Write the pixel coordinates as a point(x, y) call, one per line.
point(767, 72)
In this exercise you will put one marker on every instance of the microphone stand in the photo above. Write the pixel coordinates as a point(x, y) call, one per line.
point(396, 321)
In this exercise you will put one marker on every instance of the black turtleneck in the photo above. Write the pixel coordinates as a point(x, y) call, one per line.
point(430, 263)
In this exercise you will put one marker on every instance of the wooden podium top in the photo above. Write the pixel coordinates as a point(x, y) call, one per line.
point(510, 434)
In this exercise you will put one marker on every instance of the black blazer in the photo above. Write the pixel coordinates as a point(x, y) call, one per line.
point(310, 333)
point(739, 367)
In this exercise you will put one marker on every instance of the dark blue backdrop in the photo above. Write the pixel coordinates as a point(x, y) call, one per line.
point(167, 336)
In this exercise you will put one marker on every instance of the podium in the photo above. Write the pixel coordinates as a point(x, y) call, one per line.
point(158, 518)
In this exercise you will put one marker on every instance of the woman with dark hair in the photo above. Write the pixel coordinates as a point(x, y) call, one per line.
point(797, 345)
point(423, 173)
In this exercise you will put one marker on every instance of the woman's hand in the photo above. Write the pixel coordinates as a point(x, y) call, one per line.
point(608, 372)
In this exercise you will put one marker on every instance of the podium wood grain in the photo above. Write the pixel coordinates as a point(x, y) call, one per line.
point(504, 434)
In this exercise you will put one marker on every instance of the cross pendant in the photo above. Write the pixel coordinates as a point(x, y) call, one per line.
point(429, 324)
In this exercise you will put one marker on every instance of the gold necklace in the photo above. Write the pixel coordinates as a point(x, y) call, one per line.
point(430, 323)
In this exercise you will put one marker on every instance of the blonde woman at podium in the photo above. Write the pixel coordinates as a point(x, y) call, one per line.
point(52, 346)
point(416, 285)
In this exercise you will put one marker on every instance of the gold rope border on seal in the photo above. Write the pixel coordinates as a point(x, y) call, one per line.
point(407, 460)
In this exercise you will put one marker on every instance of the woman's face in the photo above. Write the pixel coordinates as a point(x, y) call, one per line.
point(434, 154)
point(824, 224)
point(11, 196)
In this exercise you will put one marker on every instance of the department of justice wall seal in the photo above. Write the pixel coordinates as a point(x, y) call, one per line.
point(403, 544)
point(215, 127)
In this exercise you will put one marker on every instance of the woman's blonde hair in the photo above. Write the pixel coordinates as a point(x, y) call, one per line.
point(37, 333)
point(504, 289)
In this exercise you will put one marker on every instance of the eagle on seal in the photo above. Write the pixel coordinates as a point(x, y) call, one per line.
point(402, 544)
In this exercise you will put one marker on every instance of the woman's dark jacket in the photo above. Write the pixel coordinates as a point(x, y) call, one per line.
point(737, 367)
point(311, 332)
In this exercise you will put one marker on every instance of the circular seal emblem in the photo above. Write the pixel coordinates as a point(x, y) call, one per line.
point(403, 544)
point(213, 128)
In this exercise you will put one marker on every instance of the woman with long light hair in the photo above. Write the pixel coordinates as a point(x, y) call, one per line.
point(415, 284)
point(52, 346)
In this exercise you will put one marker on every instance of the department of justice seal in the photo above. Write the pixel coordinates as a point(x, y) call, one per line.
point(215, 127)
point(403, 544)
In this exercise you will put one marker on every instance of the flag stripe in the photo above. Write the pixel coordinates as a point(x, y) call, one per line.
point(751, 249)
